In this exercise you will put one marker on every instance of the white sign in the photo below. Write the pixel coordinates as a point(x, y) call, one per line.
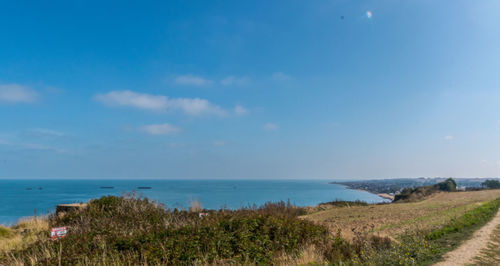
point(58, 232)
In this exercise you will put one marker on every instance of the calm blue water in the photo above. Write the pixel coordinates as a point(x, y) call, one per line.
point(20, 198)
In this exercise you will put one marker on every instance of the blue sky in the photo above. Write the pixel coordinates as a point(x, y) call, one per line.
point(249, 89)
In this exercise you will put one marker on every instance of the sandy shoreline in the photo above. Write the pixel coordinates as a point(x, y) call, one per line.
point(382, 195)
point(386, 196)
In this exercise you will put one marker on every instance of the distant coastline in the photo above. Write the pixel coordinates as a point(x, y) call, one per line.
point(387, 188)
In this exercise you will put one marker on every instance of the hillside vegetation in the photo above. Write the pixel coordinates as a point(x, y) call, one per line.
point(123, 230)
point(415, 194)
point(135, 231)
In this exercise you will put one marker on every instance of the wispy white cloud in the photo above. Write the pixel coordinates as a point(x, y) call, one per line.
point(240, 110)
point(15, 93)
point(54, 90)
point(448, 138)
point(8, 139)
point(191, 80)
point(40, 147)
point(133, 99)
point(161, 129)
point(43, 132)
point(271, 127)
point(196, 106)
point(176, 145)
point(190, 106)
point(219, 143)
point(22, 142)
point(280, 76)
point(198, 81)
point(232, 80)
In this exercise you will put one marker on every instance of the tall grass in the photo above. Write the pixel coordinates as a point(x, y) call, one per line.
point(195, 206)
point(26, 232)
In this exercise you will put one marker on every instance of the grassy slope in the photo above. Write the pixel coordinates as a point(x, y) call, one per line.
point(395, 219)
point(426, 248)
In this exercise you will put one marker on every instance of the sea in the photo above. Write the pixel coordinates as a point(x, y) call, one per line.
point(23, 198)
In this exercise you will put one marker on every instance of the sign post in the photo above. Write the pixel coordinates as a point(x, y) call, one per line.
point(58, 232)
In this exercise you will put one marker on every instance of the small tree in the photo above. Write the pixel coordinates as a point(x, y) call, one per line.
point(447, 185)
point(491, 184)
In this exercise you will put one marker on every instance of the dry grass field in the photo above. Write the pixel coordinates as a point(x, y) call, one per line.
point(394, 219)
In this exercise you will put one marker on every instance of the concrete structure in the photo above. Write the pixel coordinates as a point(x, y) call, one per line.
point(61, 208)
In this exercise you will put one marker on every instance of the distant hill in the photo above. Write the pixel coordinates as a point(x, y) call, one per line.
point(398, 184)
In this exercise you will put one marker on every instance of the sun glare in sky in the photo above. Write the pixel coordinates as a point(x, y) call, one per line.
point(369, 14)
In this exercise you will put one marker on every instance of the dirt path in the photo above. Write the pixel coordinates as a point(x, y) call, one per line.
point(466, 252)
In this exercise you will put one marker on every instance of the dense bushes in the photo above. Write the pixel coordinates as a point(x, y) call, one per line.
point(137, 231)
